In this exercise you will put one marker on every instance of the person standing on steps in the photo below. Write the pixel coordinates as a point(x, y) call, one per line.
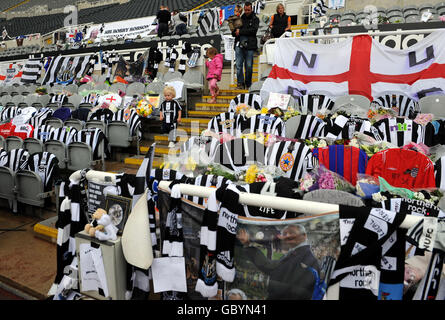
point(164, 17)
point(214, 65)
point(246, 44)
point(279, 22)
point(170, 115)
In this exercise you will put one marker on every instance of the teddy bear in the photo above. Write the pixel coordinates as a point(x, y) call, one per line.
point(105, 229)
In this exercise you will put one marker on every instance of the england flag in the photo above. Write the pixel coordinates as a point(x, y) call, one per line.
point(359, 65)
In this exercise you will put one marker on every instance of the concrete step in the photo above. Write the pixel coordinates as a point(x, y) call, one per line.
point(137, 161)
point(233, 91)
point(190, 120)
point(160, 150)
point(163, 139)
point(224, 98)
point(205, 113)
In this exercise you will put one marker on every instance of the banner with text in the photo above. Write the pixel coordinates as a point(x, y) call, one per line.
point(359, 65)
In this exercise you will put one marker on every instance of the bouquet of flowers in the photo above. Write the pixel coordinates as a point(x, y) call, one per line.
point(41, 91)
point(257, 173)
point(242, 108)
point(218, 170)
point(315, 143)
point(378, 113)
point(144, 108)
point(290, 113)
point(322, 178)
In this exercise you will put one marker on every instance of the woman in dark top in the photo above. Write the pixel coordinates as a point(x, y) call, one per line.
point(280, 22)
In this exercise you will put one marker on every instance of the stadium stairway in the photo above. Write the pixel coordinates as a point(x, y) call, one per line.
point(196, 121)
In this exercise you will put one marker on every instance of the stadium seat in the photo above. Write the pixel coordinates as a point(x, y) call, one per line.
point(74, 101)
point(57, 148)
point(2, 142)
point(256, 87)
point(76, 123)
point(7, 187)
point(433, 104)
point(30, 188)
point(13, 142)
point(170, 76)
point(357, 100)
point(135, 88)
point(80, 156)
point(54, 122)
point(97, 124)
point(85, 87)
point(193, 79)
point(156, 87)
point(119, 135)
point(33, 145)
point(115, 87)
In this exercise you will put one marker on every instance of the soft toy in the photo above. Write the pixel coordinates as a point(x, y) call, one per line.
point(105, 229)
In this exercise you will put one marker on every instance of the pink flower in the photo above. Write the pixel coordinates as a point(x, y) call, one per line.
point(442, 18)
point(326, 181)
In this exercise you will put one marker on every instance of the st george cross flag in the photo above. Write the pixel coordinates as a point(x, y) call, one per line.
point(10, 73)
point(64, 70)
point(359, 65)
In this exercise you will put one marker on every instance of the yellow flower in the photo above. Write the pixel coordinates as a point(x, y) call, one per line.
point(190, 164)
point(264, 110)
point(251, 174)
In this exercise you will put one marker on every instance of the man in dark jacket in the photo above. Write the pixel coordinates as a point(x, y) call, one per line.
point(245, 46)
point(164, 17)
point(292, 277)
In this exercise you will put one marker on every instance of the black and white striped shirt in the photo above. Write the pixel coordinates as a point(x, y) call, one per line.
point(40, 117)
point(310, 126)
point(352, 125)
point(9, 113)
point(170, 110)
point(239, 153)
point(131, 117)
point(46, 165)
point(91, 98)
point(17, 159)
point(226, 122)
point(102, 114)
point(407, 106)
point(266, 123)
point(294, 158)
point(63, 134)
point(92, 137)
point(3, 157)
point(400, 131)
point(315, 103)
point(42, 133)
point(250, 99)
point(59, 99)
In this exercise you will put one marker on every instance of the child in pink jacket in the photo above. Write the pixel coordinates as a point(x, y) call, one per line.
point(214, 65)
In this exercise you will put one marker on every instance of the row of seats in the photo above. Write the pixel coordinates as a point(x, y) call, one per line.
point(406, 14)
point(74, 156)
point(25, 186)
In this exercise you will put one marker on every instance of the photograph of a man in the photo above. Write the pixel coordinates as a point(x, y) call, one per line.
point(291, 277)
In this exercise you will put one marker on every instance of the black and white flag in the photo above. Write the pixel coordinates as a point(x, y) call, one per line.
point(320, 9)
point(209, 22)
point(64, 70)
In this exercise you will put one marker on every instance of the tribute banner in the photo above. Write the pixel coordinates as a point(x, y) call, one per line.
point(359, 65)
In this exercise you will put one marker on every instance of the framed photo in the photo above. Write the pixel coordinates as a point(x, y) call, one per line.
point(118, 208)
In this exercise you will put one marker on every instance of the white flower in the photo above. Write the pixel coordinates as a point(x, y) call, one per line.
point(377, 197)
point(419, 195)
point(322, 144)
point(354, 143)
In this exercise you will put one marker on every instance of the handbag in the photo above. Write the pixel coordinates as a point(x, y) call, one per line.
point(267, 35)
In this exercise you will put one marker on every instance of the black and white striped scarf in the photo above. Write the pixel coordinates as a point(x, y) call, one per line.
point(208, 22)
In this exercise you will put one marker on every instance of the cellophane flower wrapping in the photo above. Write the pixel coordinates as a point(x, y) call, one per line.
point(366, 186)
point(322, 178)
